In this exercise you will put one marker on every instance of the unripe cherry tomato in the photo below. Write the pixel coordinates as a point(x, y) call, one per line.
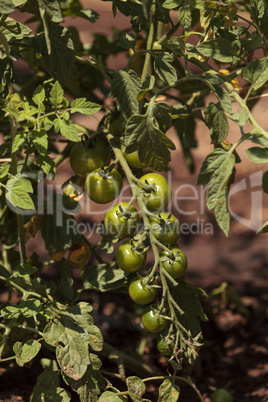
point(166, 228)
point(133, 159)
point(142, 294)
point(153, 323)
point(156, 192)
point(174, 262)
point(103, 185)
point(165, 346)
point(121, 223)
point(89, 156)
point(128, 259)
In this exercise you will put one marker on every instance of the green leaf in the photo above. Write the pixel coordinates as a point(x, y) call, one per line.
point(165, 71)
point(47, 164)
point(4, 46)
point(144, 134)
point(89, 386)
point(4, 171)
point(263, 229)
point(109, 396)
point(26, 352)
point(89, 15)
point(128, 40)
point(81, 105)
point(48, 385)
point(126, 86)
point(14, 29)
point(185, 17)
point(25, 269)
point(52, 9)
point(170, 4)
point(56, 95)
point(147, 85)
point(186, 133)
point(103, 278)
point(19, 140)
point(10, 312)
point(168, 392)
point(224, 98)
point(187, 297)
point(216, 120)
point(58, 229)
point(40, 141)
point(71, 333)
point(39, 95)
point(66, 128)
point(136, 388)
point(257, 155)
point(217, 170)
point(30, 307)
point(219, 49)
point(60, 60)
point(18, 192)
point(256, 73)
point(6, 7)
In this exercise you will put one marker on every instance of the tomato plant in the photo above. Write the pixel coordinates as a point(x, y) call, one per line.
point(70, 124)
point(222, 395)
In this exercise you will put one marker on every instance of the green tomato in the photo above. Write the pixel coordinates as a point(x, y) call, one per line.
point(151, 322)
point(222, 395)
point(85, 158)
point(142, 294)
point(121, 223)
point(103, 185)
point(165, 346)
point(166, 229)
point(156, 192)
point(174, 262)
point(128, 259)
point(133, 159)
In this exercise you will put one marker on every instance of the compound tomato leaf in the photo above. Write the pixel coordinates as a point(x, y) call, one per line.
point(136, 388)
point(168, 392)
point(40, 141)
point(39, 95)
point(218, 171)
point(18, 189)
point(47, 164)
point(257, 154)
point(125, 87)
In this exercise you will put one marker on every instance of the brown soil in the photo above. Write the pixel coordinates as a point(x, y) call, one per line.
point(235, 353)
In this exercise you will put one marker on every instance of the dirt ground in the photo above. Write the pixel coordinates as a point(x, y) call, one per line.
point(235, 353)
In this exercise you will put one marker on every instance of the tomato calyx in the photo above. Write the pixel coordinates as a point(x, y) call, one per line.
point(105, 172)
point(123, 213)
point(149, 188)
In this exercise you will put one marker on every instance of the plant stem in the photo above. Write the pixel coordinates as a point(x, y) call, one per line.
point(147, 68)
point(20, 218)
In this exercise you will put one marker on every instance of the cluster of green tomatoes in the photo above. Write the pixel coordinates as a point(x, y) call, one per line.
point(103, 184)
